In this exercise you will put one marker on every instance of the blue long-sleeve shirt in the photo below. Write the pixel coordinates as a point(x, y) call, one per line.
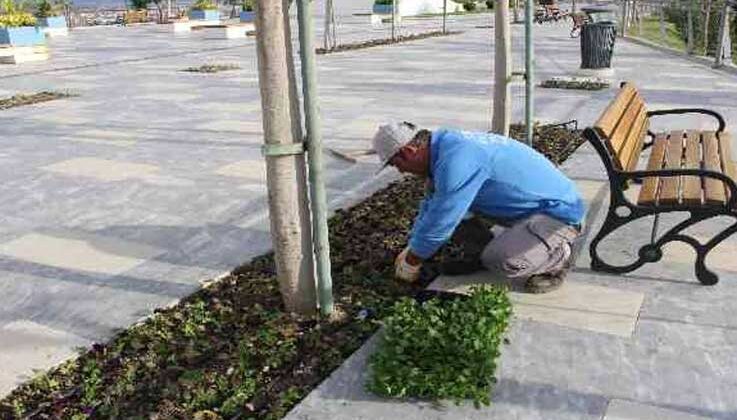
point(491, 175)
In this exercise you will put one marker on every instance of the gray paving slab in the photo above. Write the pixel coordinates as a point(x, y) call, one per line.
point(197, 210)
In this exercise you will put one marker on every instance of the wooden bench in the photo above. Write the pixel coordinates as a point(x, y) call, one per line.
point(688, 171)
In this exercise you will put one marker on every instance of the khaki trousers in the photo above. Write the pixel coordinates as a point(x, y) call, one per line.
point(535, 245)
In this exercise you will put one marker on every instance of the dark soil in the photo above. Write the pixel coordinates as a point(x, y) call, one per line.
point(35, 98)
point(384, 41)
point(212, 68)
point(230, 350)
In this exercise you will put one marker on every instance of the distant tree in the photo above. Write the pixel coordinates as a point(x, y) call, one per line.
point(139, 4)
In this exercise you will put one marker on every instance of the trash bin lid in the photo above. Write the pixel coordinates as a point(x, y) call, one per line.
point(600, 14)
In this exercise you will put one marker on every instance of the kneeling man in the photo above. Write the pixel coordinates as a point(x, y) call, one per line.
point(474, 175)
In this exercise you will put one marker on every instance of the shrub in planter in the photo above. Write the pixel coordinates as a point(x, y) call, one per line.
point(204, 10)
point(17, 27)
point(383, 7)
point(49, 15)
point(247, 13)
point(469, 6)
point(490, 4)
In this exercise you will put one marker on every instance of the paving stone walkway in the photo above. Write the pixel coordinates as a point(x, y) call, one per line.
point(125, 198)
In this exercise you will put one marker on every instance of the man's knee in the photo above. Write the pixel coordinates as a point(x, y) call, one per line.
point(502, 263)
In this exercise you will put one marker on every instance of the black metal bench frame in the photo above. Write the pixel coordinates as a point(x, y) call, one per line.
point(623, 211)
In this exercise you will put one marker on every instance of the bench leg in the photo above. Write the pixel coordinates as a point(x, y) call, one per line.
point(706, 276)
point(612, 223)
point(652, 252)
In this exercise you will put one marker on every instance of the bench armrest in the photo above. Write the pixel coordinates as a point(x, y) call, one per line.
point(729, 182)
point(720, 119)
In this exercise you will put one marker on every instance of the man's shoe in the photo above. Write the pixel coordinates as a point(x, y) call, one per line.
point(544, 283)
point(461, 267)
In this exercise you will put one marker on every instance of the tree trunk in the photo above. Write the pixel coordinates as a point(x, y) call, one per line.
point(661, 19)
point(445, 13)
point(394, 17)
point(502, 69)
point(624, 17)
point(330, 40)
point(689, 29)
point(724, 47)
point(707, 19)
point(294, 267)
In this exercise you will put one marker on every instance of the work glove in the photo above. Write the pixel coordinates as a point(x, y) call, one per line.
point(403, 270)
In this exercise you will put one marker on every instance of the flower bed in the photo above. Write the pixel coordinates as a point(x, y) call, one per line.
point(230, 349)
point(384, 41)
point(212, 68)
point(21, 100)
point(581, 83)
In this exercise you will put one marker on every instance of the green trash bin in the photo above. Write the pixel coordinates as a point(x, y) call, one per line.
point(597, 44)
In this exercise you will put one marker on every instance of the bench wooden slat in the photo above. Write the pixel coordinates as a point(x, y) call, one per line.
point(713, 188)
point(622, 132)
point(692, 184)
point(648, 193)
point(613, 113)
point(633, 147)
point(725, 152)
point(673, 160)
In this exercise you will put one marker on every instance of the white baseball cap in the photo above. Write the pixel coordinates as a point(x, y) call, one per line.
point(391, 137)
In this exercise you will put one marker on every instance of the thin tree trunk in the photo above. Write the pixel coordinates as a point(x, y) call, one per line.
point(394, 17)
point(661, 18)
point(329, 36)
point(624, 17)
point(689, 34)
point(445, 13)
point(707, 20)
point(723, 44)
point(294, 267)
point(502, 69)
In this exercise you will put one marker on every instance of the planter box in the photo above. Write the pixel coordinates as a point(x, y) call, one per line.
point(248, 16)
point(235, 31)
point(382, 9)
point(416, 7)
point(54, 26)
point(19, 55)
point(24, 36)
point(53, 22)
point(204, 14)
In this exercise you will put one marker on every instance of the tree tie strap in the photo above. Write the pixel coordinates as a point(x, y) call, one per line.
point(283, 149)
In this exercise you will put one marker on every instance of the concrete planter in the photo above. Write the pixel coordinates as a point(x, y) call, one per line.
point(248, 16)
point(24, 36)
point(416, 7)
point(204, 14)
point(53, 22)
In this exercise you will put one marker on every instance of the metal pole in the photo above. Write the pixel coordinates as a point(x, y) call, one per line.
point(529, 72)
point(314, 147)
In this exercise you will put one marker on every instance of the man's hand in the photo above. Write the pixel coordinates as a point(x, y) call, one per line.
point(407, 266)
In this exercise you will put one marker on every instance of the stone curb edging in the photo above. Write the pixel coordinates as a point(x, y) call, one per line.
point(706, 61)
